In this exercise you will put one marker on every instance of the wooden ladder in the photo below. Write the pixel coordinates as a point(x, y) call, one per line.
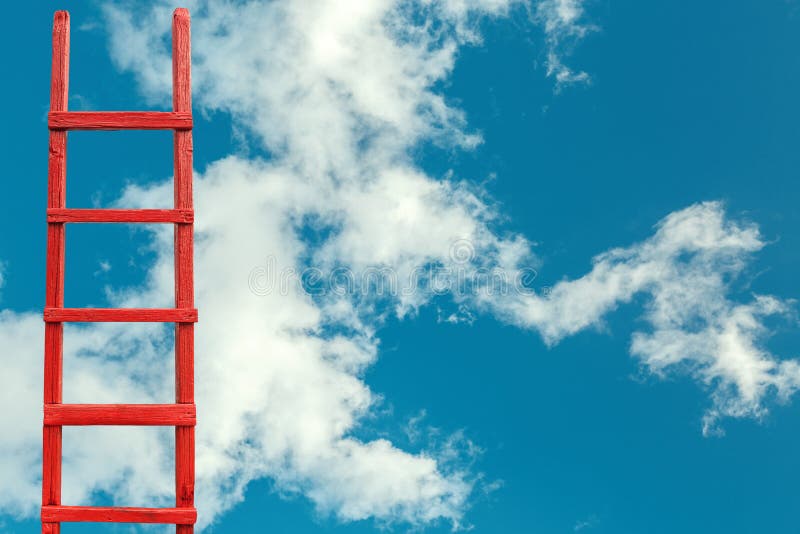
point(182, 414)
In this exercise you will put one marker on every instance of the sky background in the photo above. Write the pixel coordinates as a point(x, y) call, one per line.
point(688, 102)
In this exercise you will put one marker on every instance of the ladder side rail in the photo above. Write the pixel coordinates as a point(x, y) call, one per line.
point(54, 289)
point(184, 269)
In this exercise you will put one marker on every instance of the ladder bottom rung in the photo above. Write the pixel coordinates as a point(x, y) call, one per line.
point(91, 514)
point(120, 315)
point(120, 414)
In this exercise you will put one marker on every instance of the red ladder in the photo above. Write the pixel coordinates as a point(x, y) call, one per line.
point(181, 415)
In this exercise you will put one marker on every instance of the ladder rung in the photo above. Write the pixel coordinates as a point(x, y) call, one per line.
point(120, 414)
point(66, 215)
point(97, 514)
point(119, 120)
point(123, 315)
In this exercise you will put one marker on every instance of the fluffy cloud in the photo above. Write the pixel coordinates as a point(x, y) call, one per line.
point(333, 97)
point(337, 94)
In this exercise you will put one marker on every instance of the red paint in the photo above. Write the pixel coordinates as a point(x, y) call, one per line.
point(120, 315)
point(119, 120)
point(119, 414)
point(184, 277)
point(97, 514)
point(65, 215)
point(182, 414)
point(54, 289)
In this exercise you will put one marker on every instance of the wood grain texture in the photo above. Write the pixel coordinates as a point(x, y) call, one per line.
point(74, 514)
point(182, 414)
point(66, 215)
point(119, 120)
point(120, 414)
point(120, 315)
point(54, 284)
point(184, 267)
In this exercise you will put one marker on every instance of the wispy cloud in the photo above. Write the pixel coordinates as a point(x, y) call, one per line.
point(585, 524)
point(564, 26)
point(103, 267)
point(686, 272)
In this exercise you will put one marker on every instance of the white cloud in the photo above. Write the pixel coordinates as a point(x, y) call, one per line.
point(564, 26)
point(685, 271)
point(338, 95)
point(21, 387)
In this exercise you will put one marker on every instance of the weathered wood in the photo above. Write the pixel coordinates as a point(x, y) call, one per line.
point(182, 414)
point(120, 414)
point(54, 286)
point(66, 215)
point(119, 120)
point(184, 269)
point(120, 315)
point(98, 514)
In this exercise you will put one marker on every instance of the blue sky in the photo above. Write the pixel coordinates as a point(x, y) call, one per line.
point(687, 103)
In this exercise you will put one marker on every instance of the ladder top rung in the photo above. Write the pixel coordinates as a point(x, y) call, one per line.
point(119, 120)
point(120, 414)
point(69, 215)
point(98, 514)
point(120, 315)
